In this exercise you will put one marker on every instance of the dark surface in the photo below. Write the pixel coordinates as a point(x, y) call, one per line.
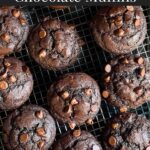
point(25, 121)
point(132, 133)
point(16, 83)
point(119, 29)
point(129, 81)
point(77, 86)
point(86, 141)
point(91, 60)
point(60, 44)
point(14, 29)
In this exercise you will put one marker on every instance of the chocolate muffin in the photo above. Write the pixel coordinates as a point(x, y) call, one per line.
point(119, 29)
point(54, 44)
point(14, 29)
point(29, 128)
point(16, 83)
point(74, 99)
point(77, 140)
point(126, 81)
point(127, 132)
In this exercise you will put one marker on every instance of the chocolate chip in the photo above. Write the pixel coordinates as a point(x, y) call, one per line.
point(123, 109)
point(72, 125)
point(88, 92)
point(5, 37)
point(138, 90)
point(118, 21)
point(77, 133)
point(74, 101)
point(94, 108)
point(142, 72)
point(107, 79)
point(40, 144)
point(90, 121)
point(137, 22)
point(42, 53)
point(23, 22)
point(24, 138)
point(42, 34)
point(3, 85)
point(25, 68)
point(40, 131)
point(125, 61)
point(105, 94)
point(7, 64)
point(65, 95)
point(16, 13)
point(12, 79)
point(39, 114)
point(130, 8)
point(108, 68)
point(68, 109)
point(120, 32)
point(128, 16)
point(115, 125)
point(112, 141)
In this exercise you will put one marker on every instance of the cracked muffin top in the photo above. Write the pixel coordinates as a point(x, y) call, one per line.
point(126, 81)
point(74, 99)
point(54, 44)
point(127, 131)
point(29, 128)
point(119, 29)
point(77, 140)
point(14, 29)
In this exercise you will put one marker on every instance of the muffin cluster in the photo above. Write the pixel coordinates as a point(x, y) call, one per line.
point(74, 98)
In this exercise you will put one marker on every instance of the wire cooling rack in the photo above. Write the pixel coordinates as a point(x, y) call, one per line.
point(90, 61)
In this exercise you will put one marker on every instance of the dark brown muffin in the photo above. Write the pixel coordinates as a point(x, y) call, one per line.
point(54, 44)
point(74, 99)
point(16, 83)
point(14, 29)
point(119, 29)
point(29, 128)
point(127, 132)
point(127, 81)
point(77, 140)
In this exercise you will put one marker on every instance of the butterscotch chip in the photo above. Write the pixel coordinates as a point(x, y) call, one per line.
point(68, 109)
point(42, 34)
point(137, 22)
point(123, 109)
point(107, 79)
point(40, 131)
point(5, 37)
point(140, 60)
point(90, 121)
point(65, 95)
point(40, 144)
point(16, 13)
point(130, 8)
point(88, 92)
point(24, 138)
point(42, 54)
point(3, 85)
point(142, 72)
point(120, 32)
point(76, 133)
point(115, 125)
point(39, 114)
point(72, 125)
point(74, 101)
point(7, 64)
point(108, 68)
point(125, 61)
point(13, 79)
point(23, 22)
point(105, 94)
point(112, 141)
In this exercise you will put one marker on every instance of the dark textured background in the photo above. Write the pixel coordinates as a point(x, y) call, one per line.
point(90, 61)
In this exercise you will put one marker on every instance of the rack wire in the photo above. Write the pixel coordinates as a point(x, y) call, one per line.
point(90, 61)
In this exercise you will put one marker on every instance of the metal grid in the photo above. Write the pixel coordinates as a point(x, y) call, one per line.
point(90, 61)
